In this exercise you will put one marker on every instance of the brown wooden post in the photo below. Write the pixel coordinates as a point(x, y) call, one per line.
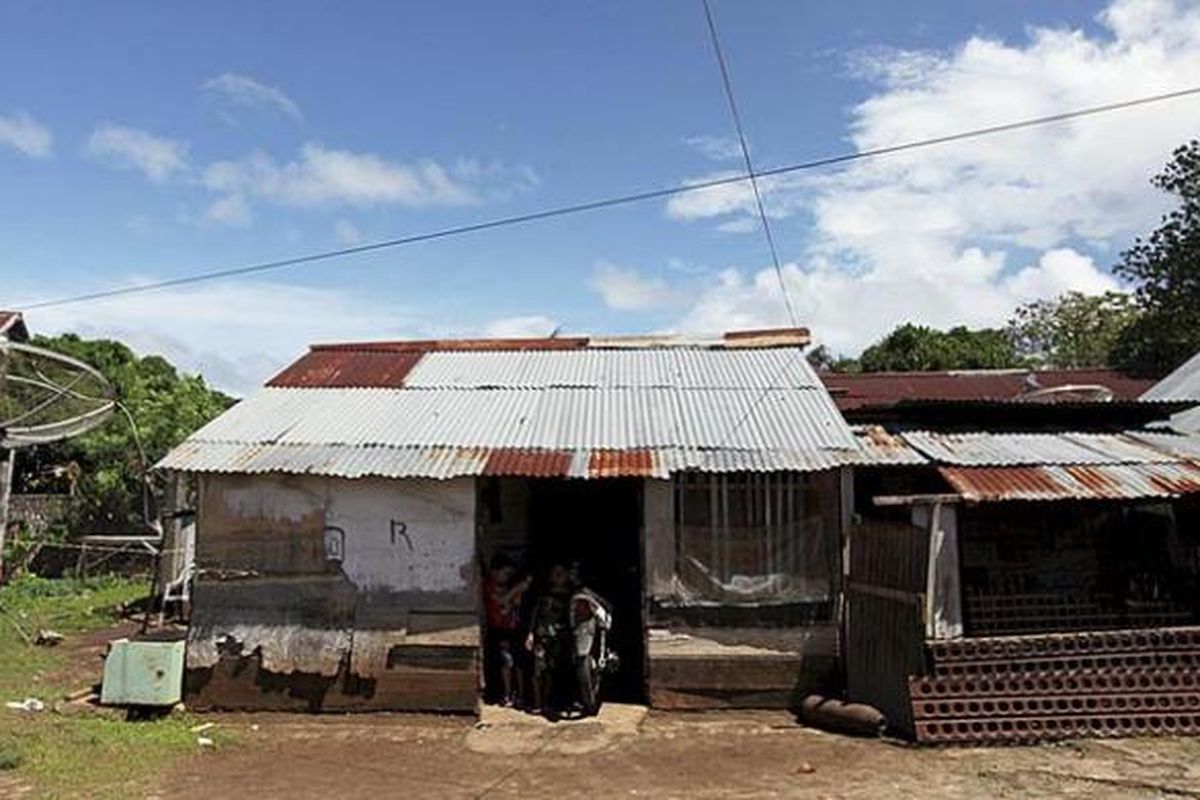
point(7, 457)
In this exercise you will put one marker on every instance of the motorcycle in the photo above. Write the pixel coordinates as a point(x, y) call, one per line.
point(591, 621)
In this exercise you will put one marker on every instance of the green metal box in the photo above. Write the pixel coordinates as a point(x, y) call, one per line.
point(143, 673)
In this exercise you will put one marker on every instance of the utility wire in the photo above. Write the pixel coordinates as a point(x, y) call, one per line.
point(741, 134)
point(593, 205)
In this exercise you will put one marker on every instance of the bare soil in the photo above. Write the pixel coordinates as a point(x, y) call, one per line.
point(630, 754)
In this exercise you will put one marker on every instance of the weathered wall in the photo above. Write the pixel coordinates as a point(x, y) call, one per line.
point(736, 656)
point(330, 593)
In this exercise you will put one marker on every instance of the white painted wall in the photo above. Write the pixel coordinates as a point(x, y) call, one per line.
point(405, 535)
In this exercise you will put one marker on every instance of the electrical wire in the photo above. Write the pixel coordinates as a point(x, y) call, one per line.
point(727, 82)
point(594, 205)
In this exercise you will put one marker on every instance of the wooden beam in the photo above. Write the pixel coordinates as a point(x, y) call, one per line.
point(916, 499)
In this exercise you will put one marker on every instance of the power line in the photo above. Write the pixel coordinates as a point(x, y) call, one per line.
point(741, 134)
point(594, 205)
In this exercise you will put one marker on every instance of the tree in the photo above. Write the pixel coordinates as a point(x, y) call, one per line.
point(165, 406)
point(1165, 268)
point(910, 348)
point(1072, 330)
point(822, 359)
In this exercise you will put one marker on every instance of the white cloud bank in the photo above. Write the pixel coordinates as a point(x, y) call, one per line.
point(26, 135)
point(123, 147)
point(242, 90)
point(936, 235)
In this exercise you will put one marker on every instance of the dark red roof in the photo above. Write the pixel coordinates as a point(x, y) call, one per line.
point(384, 365)
point(884, 389)
point(12, 326)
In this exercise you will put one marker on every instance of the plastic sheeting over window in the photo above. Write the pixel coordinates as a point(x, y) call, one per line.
point(755, 537)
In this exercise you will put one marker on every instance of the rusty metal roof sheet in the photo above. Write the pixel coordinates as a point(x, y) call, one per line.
point(1006, 449)
point(881, 448)
point(1073, 482)
point(333, 368)
point(347, 461)
point(886, 389)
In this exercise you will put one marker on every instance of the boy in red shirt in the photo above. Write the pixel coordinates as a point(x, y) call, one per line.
point(502, 597)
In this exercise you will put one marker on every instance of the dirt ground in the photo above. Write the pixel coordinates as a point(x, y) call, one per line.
point(630, 754)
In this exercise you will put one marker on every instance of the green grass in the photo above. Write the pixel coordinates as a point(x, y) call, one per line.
point(84, 753)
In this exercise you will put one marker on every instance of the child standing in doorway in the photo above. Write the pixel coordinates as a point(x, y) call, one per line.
point(503, 595)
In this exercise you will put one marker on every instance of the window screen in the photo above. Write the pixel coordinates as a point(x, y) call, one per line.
point(755, 537)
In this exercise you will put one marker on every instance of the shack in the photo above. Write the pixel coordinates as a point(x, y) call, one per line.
point(1047, 588)
point(345, 512)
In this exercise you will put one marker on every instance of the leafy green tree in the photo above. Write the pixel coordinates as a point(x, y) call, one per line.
point(165, 406)
point(1072, 330)
point(1165, 269)
point(911, 348)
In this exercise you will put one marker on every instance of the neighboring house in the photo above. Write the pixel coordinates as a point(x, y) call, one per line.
point(1181, 386)
point(1008, 397)
point(346, 511)
point(1018, 580)
point(12, 327)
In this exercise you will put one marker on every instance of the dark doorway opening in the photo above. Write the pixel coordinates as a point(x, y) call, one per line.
point(598, 523)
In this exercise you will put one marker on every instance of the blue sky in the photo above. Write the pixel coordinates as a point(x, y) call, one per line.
point(143, 141)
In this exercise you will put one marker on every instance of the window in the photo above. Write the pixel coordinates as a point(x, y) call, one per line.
point(756, 537)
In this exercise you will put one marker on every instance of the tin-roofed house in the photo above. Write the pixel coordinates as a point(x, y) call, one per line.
point(1032, 585)
point(346, 509)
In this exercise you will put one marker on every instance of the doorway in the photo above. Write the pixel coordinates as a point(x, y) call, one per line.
point(536, 523)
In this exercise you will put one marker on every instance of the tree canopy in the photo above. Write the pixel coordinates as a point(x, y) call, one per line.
point(1165, 269)
point(165, 405)
point(1072, 330)
point(910, 348)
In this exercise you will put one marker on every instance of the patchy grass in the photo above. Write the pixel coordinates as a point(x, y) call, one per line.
point(84, 753)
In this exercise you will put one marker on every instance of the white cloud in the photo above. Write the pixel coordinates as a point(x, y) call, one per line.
point(626, 289)
point(25, 134)
point(347, 233)
point(847, 310)
point(236, 334)
point(945, 234)
point(717, 148)
point(241, 90)
point(229, 210)
point(156, 157)
point(327, 177)
point(520, 327)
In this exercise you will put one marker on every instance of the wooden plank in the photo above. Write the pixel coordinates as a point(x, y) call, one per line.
point(915, 499)
point(898, 595)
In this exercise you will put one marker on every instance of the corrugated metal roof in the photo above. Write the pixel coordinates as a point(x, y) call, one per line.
point(885, 389)
point(996, 449)
point(880, 448)
point(349, 461)
point(1182, 385)
point(1062, 482)
point(547, 419)
point(667, 367)
point(373, 369)
point(581, 412)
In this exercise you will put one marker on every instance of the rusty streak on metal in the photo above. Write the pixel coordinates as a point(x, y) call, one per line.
point(528, 463)
point(621, 464)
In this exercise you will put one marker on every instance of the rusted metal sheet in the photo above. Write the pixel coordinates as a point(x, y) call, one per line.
point(621, 464)
point(1057, 482)
point(528, 463)
point(881, 448)
point(888, 389)
point(326, 368)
